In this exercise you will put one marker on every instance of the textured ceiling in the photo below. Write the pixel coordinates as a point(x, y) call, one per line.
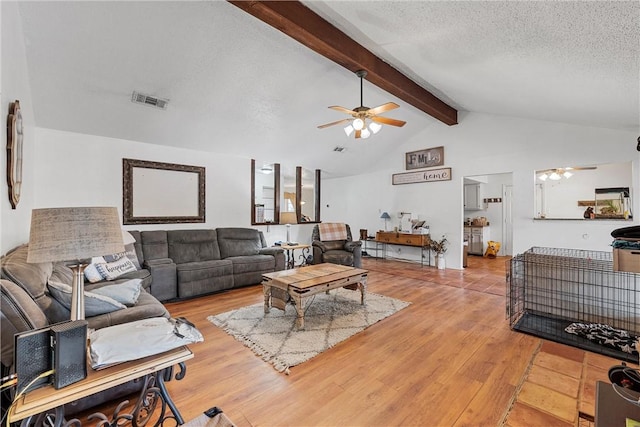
point(240, 87)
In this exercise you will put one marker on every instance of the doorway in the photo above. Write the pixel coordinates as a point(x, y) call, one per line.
point(488, 198)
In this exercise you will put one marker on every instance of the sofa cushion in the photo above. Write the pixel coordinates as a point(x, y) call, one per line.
point(126, 293)
point(94, 304)
point(193, 245)
point(32, 277)
point(253, 263)
point(154, 244)
point(338, 257)
point(196, 278)
point(18, 313)
point(239, 241)
point(115, 269)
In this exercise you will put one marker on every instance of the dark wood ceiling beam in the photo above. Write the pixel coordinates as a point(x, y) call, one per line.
point(302, 24)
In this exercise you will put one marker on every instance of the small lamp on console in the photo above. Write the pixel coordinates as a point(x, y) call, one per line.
point(288, 218)
point(74, 234)
point(386, 217)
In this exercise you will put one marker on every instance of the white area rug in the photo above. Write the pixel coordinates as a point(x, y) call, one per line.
point(329, 320)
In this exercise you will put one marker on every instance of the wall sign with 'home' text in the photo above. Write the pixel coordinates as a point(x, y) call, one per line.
point(424, 158)
point(431, 175)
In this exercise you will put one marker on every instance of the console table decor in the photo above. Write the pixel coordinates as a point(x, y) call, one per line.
point(421, 241)
point(45, 406)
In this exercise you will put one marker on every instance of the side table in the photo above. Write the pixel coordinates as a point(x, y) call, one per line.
point(611, 409)
point(46, 400)
point(290, 254)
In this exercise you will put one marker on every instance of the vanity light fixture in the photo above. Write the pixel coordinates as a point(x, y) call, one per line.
point(266, 169)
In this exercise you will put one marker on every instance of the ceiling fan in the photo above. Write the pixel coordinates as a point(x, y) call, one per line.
point(557, 173)
point(360, 115)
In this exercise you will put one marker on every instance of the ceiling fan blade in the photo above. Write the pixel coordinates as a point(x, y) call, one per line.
point(388, 121)
point(342, 109)
point(358, 134)
point(334, 123)
point(382, 108)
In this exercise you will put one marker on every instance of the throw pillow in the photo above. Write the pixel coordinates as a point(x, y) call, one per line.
point(126, 293)
point(91, 271)
point(129, 252)
point(113, 270)
point(94, 304)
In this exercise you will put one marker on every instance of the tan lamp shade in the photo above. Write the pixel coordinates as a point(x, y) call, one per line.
point(288, 218)
point(75, 233)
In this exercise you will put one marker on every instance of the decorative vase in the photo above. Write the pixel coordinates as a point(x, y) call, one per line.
point(440, 261)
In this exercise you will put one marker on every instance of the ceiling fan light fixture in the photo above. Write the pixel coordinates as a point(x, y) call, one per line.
point(543, 177)
point(348, 130)
point(358, 124)
point(567, 174)
point(554, 176)
point(365, 133)
point(375, 127)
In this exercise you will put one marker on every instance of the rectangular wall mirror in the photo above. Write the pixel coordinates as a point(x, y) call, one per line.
point(308, 193)
point(162, 193)
point(579, 192)
point(265, 192)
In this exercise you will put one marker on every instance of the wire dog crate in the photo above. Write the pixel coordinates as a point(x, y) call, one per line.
point(550, 288)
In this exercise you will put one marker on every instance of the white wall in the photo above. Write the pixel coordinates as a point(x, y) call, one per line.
point(481, 145)
point(14, 222)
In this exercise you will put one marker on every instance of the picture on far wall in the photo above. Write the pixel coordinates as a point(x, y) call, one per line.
point(427, 158)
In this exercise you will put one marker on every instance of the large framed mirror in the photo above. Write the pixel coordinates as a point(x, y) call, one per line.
point(162, 193)
point(598, 191)
point(308, 193)
point(265, 192)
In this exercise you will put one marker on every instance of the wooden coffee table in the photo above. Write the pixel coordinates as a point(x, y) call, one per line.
point(304, 282)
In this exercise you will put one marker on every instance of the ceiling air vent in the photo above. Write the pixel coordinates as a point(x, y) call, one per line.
point(339, 149)
point(151, 101)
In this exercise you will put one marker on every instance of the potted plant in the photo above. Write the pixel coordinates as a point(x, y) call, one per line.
point(439, 247)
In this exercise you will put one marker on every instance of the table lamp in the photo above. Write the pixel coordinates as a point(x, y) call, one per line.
point(386, 217)
point(74, 234)
point(288, 218)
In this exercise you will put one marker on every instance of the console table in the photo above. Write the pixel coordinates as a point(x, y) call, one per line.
point(405, 239)
point(31, 407)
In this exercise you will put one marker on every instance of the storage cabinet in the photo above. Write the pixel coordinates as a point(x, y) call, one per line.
point(473, 197)
point(476, 236)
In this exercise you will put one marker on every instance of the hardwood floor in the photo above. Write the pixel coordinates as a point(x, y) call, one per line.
point(449, 359)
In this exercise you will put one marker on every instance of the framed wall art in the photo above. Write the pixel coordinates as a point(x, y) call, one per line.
point(15, 140)
point(424, 158)
point(431, 175)
point(162, 193)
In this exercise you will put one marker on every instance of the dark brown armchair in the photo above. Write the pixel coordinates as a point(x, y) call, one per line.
point(341, 250)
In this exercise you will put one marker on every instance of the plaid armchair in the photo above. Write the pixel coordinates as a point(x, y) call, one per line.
point(332, 242)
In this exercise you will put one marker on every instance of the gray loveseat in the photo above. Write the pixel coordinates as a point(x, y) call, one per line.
point(188, 263)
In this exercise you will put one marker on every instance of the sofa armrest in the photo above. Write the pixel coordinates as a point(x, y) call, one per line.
point(271, 251)
point(318, 244)
point(164, 278)
point(351, 246)
point(278, 254)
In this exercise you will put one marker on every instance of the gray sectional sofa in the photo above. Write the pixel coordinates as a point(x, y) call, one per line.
point(188, 263)
point(174, 264)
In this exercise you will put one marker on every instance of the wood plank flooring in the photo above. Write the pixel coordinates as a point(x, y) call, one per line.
point(449, 359)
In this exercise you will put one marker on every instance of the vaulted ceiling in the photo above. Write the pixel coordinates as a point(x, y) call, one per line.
point(239, 86)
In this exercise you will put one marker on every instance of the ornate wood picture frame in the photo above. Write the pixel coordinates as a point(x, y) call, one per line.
point(15, 140)
point(162, 193)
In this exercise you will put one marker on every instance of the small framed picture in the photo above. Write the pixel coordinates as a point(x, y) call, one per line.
point(424, 158)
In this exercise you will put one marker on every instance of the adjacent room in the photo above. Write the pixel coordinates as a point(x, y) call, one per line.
point(320, 213)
